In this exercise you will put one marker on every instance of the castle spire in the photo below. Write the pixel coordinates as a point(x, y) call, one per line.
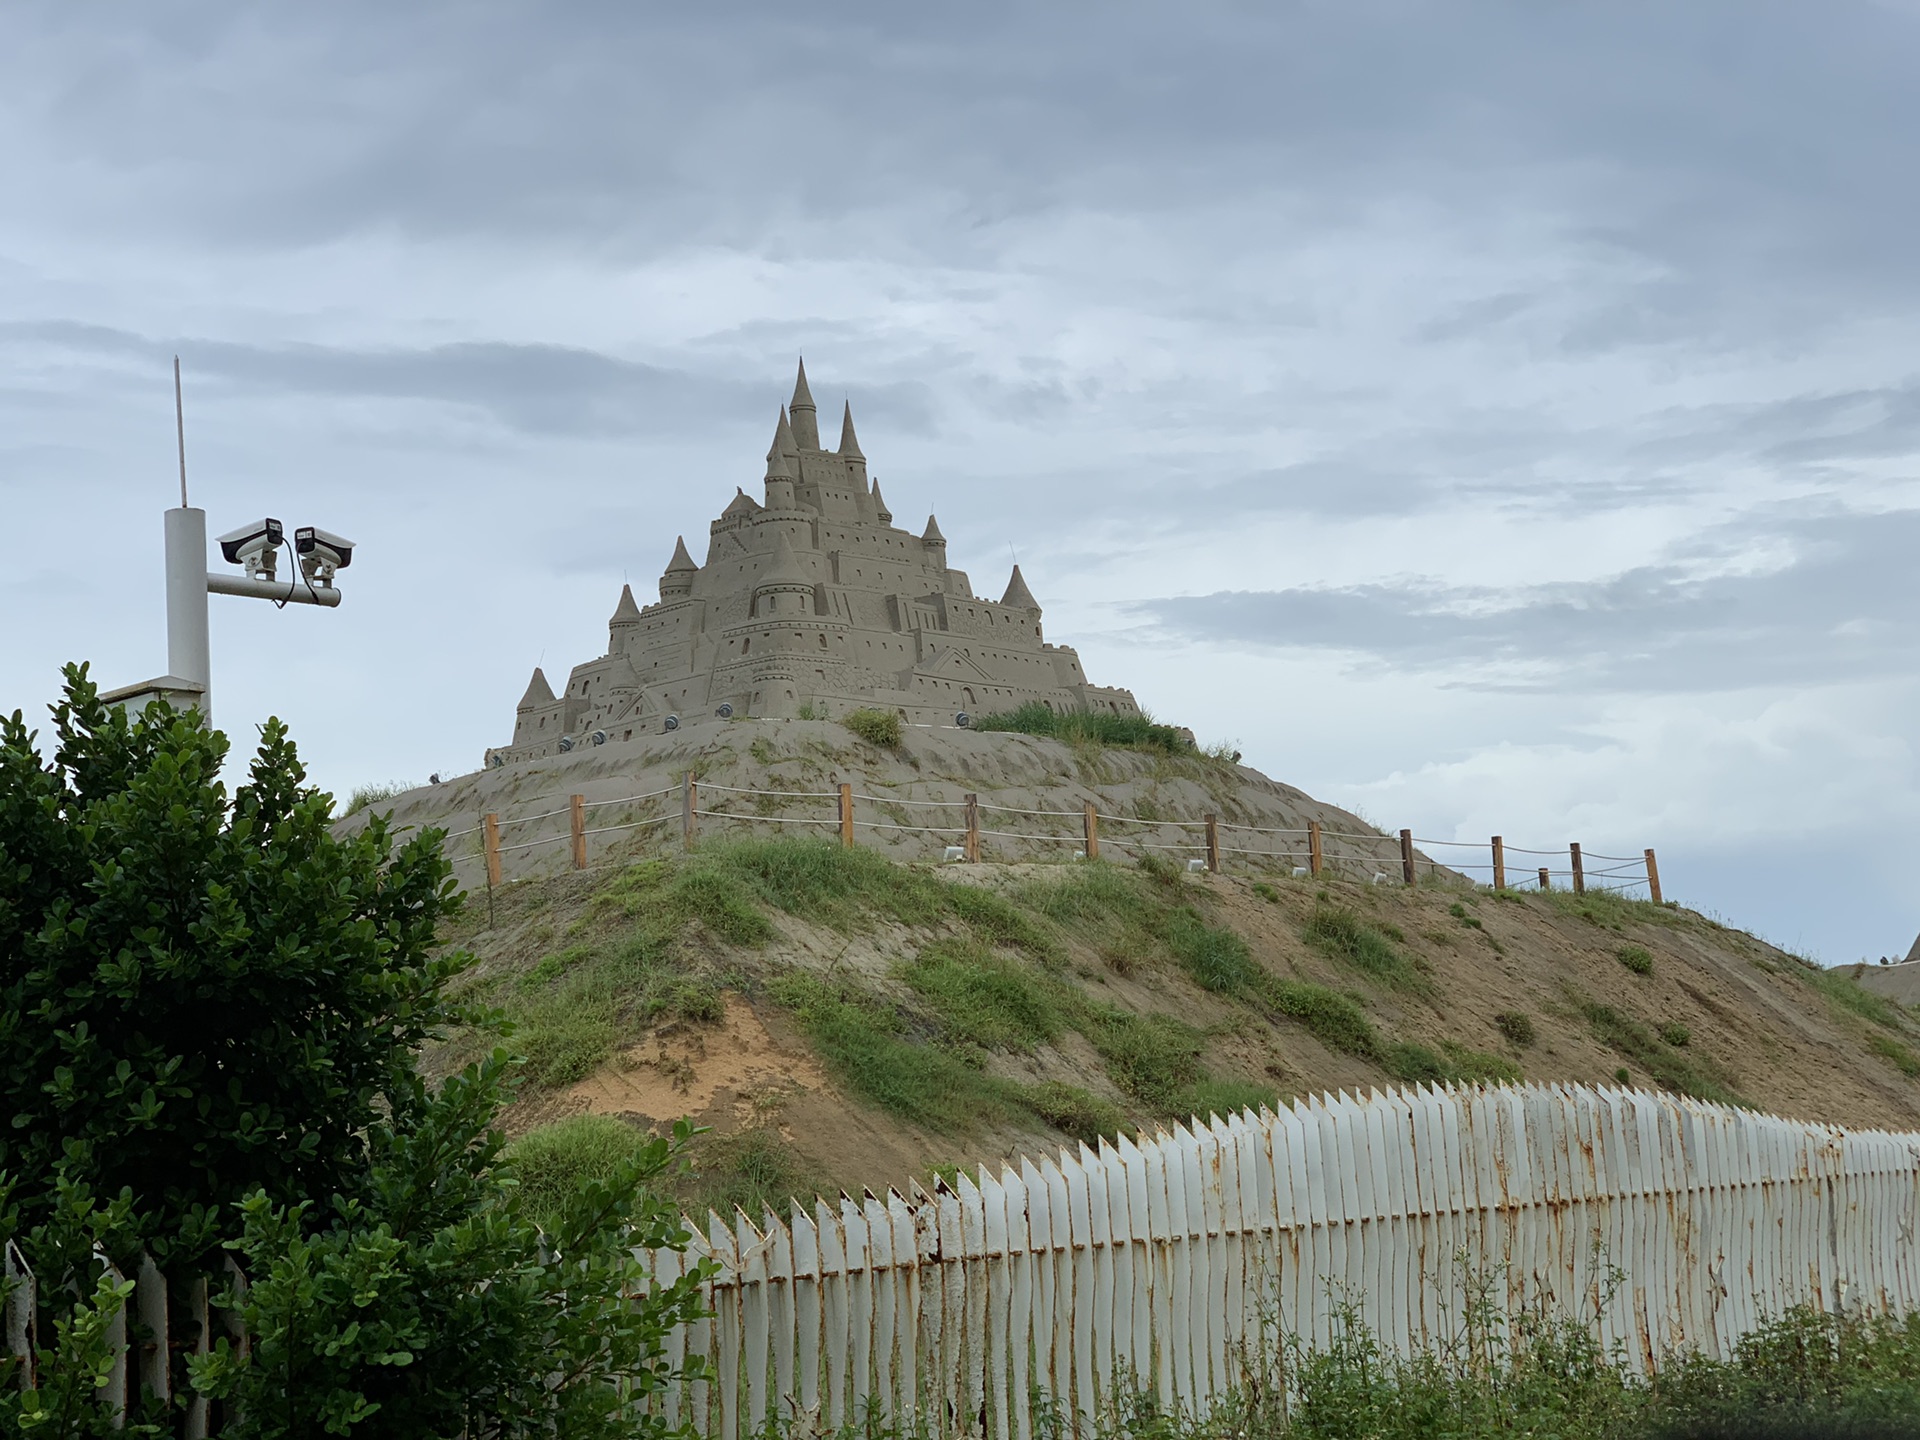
point(626, 612)
point(677, 582)
point(782, 447)
point(849, 442)
point(538, 692)
point(1018, 596)
point(931, 536)
point(806, 419)
point(681, 559)
point(880, 506)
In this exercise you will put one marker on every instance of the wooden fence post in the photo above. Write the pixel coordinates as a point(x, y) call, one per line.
point(1314, 853)
point(1092, 829)
point(1653, 877)
point(1406, 856)
point(689, 806)
point(1579, 872)
point(1213, 843)
point(846, 815)
point(490, 845)
point(1499, 863)
point(577, 819)
point(973, 829)
point(1545, 883)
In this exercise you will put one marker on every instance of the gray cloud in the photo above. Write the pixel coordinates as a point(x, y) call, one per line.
point(1834, 613)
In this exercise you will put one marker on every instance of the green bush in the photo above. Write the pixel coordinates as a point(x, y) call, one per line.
point(1675, 1035)
point(876, 727)
point(1636, 958)
point(1330, 1017)
point(1517, 1026)
point(555, 1161)
point(1090, 727)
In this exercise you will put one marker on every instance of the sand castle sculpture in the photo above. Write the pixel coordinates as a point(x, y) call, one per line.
point(812, 599)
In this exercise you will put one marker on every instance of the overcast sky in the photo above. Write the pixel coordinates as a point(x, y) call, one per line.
point(1497, 417)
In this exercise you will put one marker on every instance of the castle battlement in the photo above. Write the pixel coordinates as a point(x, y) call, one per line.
point(808, 597)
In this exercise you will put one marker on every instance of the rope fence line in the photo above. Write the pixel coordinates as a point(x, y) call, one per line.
point(1374, 856)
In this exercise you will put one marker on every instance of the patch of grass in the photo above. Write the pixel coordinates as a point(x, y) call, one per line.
point(1266, 891)
point(1080, 1113)
point(876, 727)
point(1215, 957)
point(1636, 958)
point(1888, 1048)
point(1471, 1066)
point(365, 795)
point(1678, 1036)
point(554, 1161)
point(869, 1048)
point(1227, 1098)
point(1342, 935)
point(986, 1000)
point(1459, 912)
point(1517, 1026)
point(1850, 996)
point(1091, 727)
point(1153, 1058)
point(1685, 1075)
point(1607, 910)
point(754, 1170)
point(1330, 1017)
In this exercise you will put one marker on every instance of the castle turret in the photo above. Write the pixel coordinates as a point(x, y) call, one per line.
point(935, 542)
point(849, 442)
point(626, 615)
point(785, 589)
point(880, 509)
point(779, 474)
point(1018, 596)
point(677, 582)
point(806, 420)
point(539, 692)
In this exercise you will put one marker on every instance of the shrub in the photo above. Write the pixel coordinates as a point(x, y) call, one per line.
point(1517, 1026)
point(876, 727)
point(1623, 1075)
point(555, 1161)
point(1695, 1076)
point(1080, 1113)
point(1636, 958)
point(1675, 1035)
point(752, 1170)
point(1328, 1016)
point(1090, 727)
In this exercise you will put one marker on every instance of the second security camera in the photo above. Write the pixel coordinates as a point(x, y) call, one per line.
point(321, 552)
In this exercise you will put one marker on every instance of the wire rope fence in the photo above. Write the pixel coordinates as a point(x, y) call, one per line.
point(958, 831)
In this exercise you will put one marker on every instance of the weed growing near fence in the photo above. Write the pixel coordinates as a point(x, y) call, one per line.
point(1517, 1026)
point(752, 1170)
point(554, 1161)
point(876, 727)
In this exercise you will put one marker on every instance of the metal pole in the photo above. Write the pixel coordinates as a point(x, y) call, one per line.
point(187, 652)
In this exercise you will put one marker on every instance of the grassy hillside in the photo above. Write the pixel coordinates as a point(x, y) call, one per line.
point(843, 1020)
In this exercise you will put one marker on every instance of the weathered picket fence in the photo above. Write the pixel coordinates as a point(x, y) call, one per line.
point(987, 1306)
point(1661, 1223)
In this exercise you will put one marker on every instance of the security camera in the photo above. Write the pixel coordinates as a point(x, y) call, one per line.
point(256, 546)
point(321, 553)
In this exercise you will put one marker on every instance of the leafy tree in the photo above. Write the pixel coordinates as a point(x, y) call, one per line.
point(200, 997)
point(210, 1009)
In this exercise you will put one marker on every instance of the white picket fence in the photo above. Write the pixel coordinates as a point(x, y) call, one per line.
point(1159, 1263)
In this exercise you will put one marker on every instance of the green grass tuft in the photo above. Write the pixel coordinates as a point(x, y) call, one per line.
point(365, 795)
point(1342, 935)
point(1888, 1048)
point(1685, 1075)
point(1636, 958)
point(1091, 727)
point(876, 727)
point(555, 1160)
point(1517, 1026)
point(986, 1000)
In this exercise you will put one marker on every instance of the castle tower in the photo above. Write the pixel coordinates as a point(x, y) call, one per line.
point(626, 615)
point(677, 582)
point(1019, 597)
point(779, 475)
point(806, 419)
point(880, 510)
point(785, 589)
point(934, 543)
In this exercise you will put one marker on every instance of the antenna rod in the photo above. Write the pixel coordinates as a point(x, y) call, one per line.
point(180, 430)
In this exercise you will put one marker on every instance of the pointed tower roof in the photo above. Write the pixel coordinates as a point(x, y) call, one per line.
point(785, 570)
point(681, 559)
point(849, 442)
point(626, 612)
point(932, 533)
point(880, 505)
point(538, 691)
point(741, 504)
point(802, 396)
point(806, 423)
point(1018, 596)
point(783, 446)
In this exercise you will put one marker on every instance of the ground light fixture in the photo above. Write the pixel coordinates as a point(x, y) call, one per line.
point(317, 556)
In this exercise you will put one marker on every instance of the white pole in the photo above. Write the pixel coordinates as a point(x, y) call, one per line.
point(187, 652)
